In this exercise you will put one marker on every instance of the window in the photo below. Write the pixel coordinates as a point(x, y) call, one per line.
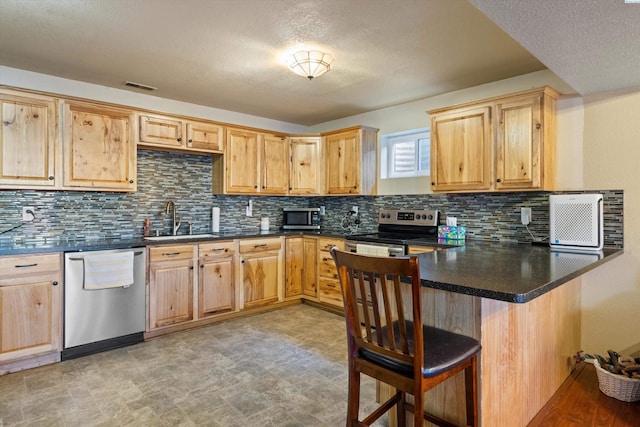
point(406, 154)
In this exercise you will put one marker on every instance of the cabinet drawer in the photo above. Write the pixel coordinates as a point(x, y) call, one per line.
point(210, 250)
point(173, 252)
point(329, 291)
point(324, 244)
point(420, 249)
point(260, 245)
point(21, 265)
point(326, 266)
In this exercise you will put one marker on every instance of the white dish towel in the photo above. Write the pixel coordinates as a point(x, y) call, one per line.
point(105, 271)
point(371, 250)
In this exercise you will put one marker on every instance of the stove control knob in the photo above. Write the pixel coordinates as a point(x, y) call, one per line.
point(424, 216)
point(430, 217)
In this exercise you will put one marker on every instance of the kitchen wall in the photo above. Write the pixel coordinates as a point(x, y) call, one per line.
point(611, 294)
point(186, 179)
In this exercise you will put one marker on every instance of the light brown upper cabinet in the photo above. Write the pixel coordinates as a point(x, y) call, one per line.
point(499, 144)
point(304, 173)
point(175, 133)
point(255, 163)
point(28, 140)
point(351, 165)
point(99, 151)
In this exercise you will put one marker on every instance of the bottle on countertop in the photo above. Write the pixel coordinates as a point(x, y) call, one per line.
point(146, 231)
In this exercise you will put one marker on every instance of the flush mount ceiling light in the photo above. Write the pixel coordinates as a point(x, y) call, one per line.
point(310, 63)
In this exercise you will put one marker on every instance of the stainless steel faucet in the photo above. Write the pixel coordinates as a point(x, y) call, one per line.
point(175, 225)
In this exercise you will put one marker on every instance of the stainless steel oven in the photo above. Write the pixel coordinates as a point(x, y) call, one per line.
point(396, 227)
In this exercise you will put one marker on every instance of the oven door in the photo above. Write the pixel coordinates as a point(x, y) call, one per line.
point(375, 248)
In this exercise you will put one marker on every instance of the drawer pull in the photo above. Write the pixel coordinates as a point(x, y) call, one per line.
point(25, 265)
point(262, 245)
point(171, 253)
point(219, 249)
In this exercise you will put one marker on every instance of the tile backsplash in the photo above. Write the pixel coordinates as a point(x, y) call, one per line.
point(186, 179)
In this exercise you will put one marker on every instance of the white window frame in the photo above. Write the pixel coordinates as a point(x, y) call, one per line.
point(387, 157)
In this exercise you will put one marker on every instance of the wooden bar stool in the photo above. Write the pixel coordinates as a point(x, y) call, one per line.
point(385, 344)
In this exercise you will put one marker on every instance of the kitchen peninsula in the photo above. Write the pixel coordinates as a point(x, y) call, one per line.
point(522, 302)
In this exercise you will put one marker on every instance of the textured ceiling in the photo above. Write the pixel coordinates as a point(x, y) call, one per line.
point(227, 53)
point(593, 45)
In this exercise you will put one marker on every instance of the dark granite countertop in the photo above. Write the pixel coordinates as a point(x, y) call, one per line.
point(509, 272)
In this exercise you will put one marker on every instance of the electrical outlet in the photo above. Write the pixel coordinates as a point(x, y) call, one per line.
point(525, 216)
point(28, 213)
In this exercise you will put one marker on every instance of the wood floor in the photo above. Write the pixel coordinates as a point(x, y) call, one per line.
point(579, 402)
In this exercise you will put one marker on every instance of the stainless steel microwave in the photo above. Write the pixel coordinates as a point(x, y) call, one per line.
point(301, 219)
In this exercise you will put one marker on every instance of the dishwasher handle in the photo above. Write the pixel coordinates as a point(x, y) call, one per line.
point(82, 258)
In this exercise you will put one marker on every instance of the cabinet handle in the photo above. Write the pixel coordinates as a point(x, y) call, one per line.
point(170, 253)
point(25, 265)
point(219, 249)
point(262, 245)
point(55, 283)
point(51, 178)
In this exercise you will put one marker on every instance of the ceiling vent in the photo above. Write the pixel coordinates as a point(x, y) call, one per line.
point(139, 86)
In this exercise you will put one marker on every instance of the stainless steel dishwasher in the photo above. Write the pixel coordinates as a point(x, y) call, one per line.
point(102, 319)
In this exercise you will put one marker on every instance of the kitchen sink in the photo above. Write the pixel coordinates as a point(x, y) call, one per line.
point(180, 237)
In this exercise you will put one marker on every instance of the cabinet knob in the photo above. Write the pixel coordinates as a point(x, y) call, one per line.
point(433, 183)
point(179, 139)
point(498, 180)
point(191, 267)
point(242, 262)
point(55, 283)
point(51, 178)
point(537, 125)
point(255, 186)
point(130, 181)
point(201, 265)
point(190, 140)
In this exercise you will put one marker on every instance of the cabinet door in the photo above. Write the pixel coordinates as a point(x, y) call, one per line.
point(309, 272)
point(99, 150)
point(216, 286)
point(30, 317)
point(260, 278)
point(205, 136)
point(242, 161)
point(170, 292)
point(161, 130)
point(461, 150)
point(342, 166)
point(294, 262)
point(304, 175)
point(518, 149)
point(27, 141)
point(275, 165)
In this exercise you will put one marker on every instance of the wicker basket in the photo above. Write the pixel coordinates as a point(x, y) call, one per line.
point(616, 385)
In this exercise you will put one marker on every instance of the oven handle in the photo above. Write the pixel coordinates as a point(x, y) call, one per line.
point(393, 252)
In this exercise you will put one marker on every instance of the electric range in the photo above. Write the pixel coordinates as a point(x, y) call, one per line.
point(396, 228)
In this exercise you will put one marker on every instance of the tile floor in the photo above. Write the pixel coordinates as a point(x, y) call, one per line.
point(282, 368)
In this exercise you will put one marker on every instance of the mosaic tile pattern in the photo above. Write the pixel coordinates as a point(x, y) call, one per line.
point(263, 370)
point(186, 179)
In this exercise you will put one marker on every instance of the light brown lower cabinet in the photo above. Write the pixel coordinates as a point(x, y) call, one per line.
point(170, 298)
point(261, 270)
point(216, 278)
point(30, 310)
point(300, 266)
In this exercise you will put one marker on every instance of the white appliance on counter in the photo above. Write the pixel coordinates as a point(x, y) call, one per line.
point(576, 222)
point(104, 300)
